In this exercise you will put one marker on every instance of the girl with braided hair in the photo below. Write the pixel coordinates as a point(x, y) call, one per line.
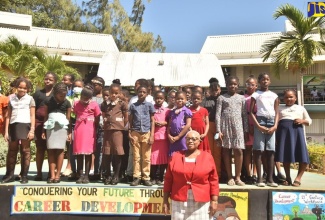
point(58, 130)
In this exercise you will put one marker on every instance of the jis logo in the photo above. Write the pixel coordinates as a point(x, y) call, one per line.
point(316, 9)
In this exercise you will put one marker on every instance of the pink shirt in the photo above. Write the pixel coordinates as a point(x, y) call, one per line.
point(248, 99)
point(161, 115)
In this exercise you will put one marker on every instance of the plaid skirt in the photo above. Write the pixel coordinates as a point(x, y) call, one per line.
point(190, 210)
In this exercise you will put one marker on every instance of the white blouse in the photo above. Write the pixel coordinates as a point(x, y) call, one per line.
point(294, 112)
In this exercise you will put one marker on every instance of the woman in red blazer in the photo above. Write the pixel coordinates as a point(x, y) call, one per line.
point(191, 181)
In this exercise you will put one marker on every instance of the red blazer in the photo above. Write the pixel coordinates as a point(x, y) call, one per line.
point(204, 183)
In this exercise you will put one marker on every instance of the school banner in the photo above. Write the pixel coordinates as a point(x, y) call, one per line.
point(298, 206)
point(85, 200)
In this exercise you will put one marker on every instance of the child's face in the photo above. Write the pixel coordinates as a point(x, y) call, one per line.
point(114, 93)
point(21, 89)
point(214, 93)
point(60, 96)
point(142, 94)
point(251, 86)
point(106, 95)
point(265, 82)
point(85, 100)
point(289, 98)
point(232, 85)
point(188, 92)
point(78, 84)
point(159, 99)
point(49, 80)
point(171, 98)
point(67, 81)
point(97, 88)
point(196, 99)
point(180, 100)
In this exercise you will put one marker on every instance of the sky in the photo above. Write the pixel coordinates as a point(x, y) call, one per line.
point(185, 24)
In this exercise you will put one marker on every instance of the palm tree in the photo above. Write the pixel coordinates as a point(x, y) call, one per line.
point(17, 59)
point(295, 50)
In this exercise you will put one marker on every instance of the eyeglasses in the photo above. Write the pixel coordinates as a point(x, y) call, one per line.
point(192, 139)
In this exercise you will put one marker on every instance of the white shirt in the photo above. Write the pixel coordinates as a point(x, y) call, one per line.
point(20, 108)
point(265, 103)
point(314, 93)
point(294, 112)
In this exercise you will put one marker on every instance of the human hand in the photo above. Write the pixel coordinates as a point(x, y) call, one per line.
point(213, 208)
point(151, 140)
point(6, 137)
point(202, 136)
point(271, 130)
point(166, 208)
point(263, 129)
point(298, 121)
point(30, 135)
point(171, 139)
point(69, 137)
point(43, 135)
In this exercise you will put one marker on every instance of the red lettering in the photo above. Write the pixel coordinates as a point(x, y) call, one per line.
point(137, 206)
point(102, 205)
point(66, 206)
point(17, 207)
point(157, 208)
point(147, 207)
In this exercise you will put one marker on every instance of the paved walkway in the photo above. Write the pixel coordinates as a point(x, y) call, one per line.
point(310, 181)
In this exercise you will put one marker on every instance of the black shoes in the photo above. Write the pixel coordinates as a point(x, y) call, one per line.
point(147, 183)
point(24, 180)
point(136, 182)
point(8, 179)
point(108, 180)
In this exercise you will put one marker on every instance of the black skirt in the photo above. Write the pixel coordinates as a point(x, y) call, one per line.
point(290, 143)
point(19, 131)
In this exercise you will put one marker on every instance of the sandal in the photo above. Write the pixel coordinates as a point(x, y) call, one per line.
point(49, 180)
point(239, 183)
point(287, 182)
point(296, 183)
point(231, 182)
point(56, 180)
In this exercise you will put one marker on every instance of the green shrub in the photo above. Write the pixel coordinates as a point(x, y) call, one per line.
point(4, 150)
point(316, 154)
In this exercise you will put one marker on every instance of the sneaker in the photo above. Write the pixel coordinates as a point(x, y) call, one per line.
point(260, 184)
point(67, 172)
point(147, 183)
point(24, 180)
point(153, 182)
point(159, 183)
point(136, 182)
point(272, 184)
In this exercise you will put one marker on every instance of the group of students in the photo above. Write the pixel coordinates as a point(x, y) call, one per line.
point(103, 127)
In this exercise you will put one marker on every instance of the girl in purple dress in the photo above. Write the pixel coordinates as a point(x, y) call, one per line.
point(179, 124)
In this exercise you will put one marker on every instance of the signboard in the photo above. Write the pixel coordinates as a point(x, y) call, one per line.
point(86, 200)
point(298, 206)
point(110, 201)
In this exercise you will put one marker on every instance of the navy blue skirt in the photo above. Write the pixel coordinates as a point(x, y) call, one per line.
point(290, 143)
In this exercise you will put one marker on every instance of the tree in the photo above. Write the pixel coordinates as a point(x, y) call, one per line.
point(59, 14)
point(111, 18)
point(17, 59)
point(295, 50)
